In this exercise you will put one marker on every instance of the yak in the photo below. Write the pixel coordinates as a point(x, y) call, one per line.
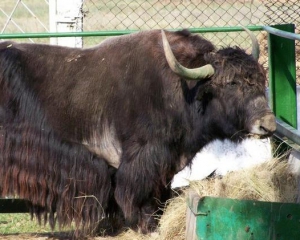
point(98, 133)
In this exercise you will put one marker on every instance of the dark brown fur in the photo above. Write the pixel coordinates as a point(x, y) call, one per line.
point(59, 179)
point(64, 97)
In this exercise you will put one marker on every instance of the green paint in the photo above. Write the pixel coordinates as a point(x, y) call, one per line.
point(245, 219)
point(282, 70)
point(117, 32)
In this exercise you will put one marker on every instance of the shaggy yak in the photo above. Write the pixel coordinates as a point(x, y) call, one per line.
point(90, 135)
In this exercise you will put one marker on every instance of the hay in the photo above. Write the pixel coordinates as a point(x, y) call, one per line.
point(173, 221)
point(270, 181)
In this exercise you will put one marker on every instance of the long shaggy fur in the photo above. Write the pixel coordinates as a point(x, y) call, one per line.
point(64, 182)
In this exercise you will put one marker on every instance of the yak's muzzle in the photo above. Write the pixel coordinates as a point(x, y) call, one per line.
point(265, 126)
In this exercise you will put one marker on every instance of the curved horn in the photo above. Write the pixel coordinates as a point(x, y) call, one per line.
point(192, 74)
point(255, 45)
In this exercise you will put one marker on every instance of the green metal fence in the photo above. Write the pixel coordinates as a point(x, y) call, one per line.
point(283, 75)
point(283, 87)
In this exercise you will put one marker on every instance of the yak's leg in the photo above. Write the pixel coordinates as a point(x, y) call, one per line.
point(142, 184)
point(114, 221)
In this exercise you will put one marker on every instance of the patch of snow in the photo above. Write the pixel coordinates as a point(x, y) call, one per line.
point(223, 157)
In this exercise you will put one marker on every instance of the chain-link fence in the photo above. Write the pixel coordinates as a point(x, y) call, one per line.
point(141, 15)
point(23, 16)
point(170, 14)
point(278, 12)
point(109, 14)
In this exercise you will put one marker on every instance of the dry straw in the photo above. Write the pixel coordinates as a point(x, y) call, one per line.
point(270, 181)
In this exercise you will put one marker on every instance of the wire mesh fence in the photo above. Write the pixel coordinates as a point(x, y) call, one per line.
point(23, 16)
point(278, 12)
point(114, 14)
point(170, 14)
point(142, 15)
point(27, 15)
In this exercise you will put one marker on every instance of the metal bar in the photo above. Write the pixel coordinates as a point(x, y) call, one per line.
point(66, 34)
point(116, 33)
point(224, 29)
point(280, 33)
point(282, 72)
point(288, 134)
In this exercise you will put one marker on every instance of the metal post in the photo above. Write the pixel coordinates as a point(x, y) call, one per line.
point(66, 16)
point(282, 70)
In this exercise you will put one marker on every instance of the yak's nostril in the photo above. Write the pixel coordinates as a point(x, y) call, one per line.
point(263, 129)
point(265, 126)
point(268, 123)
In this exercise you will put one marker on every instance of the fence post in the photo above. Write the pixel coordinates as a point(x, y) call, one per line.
point(282, 72)
point(66, 16)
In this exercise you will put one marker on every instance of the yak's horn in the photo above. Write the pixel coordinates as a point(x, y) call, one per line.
point(192, 74)
point(255, 46)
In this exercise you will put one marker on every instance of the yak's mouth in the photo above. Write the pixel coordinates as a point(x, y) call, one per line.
point(263, 127)
point(258, 127)
point(258, 136)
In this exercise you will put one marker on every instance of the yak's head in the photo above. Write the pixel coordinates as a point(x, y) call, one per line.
point(232, 95)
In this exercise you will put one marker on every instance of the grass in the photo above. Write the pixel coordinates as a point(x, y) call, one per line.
point(21, 226)
point(20, 222)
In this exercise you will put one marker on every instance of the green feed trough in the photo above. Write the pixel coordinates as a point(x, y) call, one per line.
point(213, 218)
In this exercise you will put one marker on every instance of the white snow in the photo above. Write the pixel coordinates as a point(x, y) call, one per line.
point(223, 157)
